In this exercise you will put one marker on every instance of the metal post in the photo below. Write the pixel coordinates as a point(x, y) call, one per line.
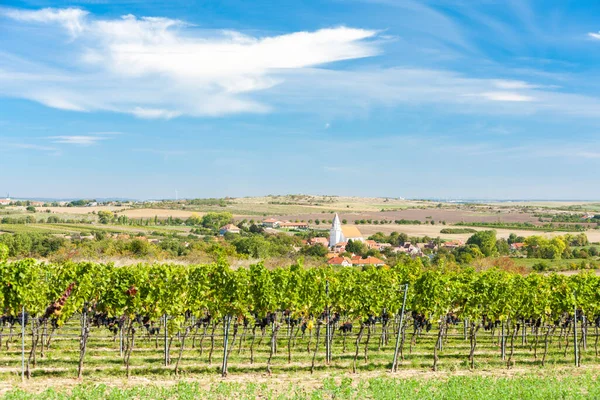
point(575, 344)
point(166, 347)
point(23, 344)
point(327, 320)
point(225, 345)
point(121, 340)
point(395, 362)
point(503, 342)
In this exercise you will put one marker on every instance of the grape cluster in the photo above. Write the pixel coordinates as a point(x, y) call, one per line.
point(54, 309)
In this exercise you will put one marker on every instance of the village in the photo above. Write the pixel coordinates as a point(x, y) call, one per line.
point(341, 237)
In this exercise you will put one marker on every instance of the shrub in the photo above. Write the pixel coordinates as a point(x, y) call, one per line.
point(541, 267)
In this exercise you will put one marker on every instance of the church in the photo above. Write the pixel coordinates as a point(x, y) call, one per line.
point(341, 234)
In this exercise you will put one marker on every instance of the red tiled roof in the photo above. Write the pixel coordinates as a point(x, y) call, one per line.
point(337, 260)
point(366, 261)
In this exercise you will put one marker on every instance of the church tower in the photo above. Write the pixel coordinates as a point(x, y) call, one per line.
point(335, 234)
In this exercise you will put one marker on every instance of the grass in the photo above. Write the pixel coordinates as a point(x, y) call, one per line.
point(555, 265)
point(526, 387)
point(65, 228)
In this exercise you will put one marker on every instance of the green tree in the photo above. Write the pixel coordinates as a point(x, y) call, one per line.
point(317, 250)
point(105, 217)
point(214, 220)
point(503, 247)
point(486, 241)
point(356, 247)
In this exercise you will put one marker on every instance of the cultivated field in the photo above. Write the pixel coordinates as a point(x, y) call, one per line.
point(434, 231)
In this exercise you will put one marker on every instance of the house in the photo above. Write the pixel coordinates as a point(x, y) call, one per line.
point(339, 247)
point(340, 261)
point(431, 245)
point(229, 228)
point(453, 244)
point(318, 240)
point(339, 233)
point(293, 225)
point(410, 249)
point(358, 261)
point(517, 246)
point(371, 244)
point(270, 223)
point(5, 202)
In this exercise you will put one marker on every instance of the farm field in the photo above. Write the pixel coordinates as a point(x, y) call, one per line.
point(434, 231)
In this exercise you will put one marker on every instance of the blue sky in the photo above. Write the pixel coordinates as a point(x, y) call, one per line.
point(431, 98)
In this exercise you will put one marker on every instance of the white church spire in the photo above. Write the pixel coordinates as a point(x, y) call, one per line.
point(335, 234)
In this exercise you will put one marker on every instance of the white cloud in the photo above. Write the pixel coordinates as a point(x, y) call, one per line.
point(89, 139)
point(159, 68)
point(72, 19)
point(510, 84)
point(164, 68)
point(154, 113)
point(506, 96)
point(80, 140)
point(350, 93)
point(594, 35)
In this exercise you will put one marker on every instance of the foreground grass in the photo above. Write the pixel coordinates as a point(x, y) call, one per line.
point(454, 387)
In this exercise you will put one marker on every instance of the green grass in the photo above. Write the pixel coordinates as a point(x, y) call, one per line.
point(39, 228)
point(526, 387)
point(64, 228)
point(555, 265)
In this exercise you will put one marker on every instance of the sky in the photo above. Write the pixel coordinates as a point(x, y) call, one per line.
point(450, 99)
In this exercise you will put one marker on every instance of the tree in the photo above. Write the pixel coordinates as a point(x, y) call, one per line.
point(30, 208)
point(467, 254)
point(214, 220)
point(503, 247)
point(317, 250)
point(105, 217)
point(356, 247)
point(486, 241)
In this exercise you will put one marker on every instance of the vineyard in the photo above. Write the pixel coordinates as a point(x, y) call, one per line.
point(160, 318)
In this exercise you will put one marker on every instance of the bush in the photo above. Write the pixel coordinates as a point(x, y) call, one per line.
point(458, 230)
point(541, 267)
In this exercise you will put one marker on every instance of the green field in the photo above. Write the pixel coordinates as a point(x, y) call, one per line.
point(555, 265)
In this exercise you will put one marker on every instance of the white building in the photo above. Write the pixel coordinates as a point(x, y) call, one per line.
point(340, 234)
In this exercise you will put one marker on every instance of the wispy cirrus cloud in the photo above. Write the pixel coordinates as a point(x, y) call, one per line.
point(594, 35)
point(161, 68)
point(72, 19)
point(79, 140)
point(83, 140)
